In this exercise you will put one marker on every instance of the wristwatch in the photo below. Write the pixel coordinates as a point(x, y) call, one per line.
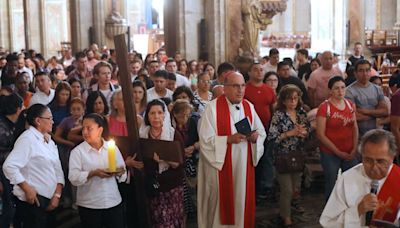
point(58, 195)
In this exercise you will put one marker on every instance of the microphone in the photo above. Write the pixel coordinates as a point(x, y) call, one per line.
point(374, 190)
point(237, 107)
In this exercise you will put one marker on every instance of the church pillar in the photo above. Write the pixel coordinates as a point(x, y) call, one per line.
point(215, 18)
point(99, 22)
point(34, 22)
point(397, 25)
point(356, 21)
point(5, 40)
point(172, 25)
point(181, 27)
point(398, 13)
point(233, 29)
point(339, 28)
point(190, 43)
point(321, 25)
point(81, 22)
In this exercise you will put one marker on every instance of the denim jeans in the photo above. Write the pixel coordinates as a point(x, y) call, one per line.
point(331, 164)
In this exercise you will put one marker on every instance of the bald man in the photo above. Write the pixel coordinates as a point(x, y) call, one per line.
point(318, 82)
point(226, 184)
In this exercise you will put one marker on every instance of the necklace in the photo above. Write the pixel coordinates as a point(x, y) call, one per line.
point(158, 136)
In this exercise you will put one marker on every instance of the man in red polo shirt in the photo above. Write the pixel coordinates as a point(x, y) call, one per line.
point(263, 98)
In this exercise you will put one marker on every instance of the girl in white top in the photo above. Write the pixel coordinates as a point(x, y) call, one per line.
point(98, 197)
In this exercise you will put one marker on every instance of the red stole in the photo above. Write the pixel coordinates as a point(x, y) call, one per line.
point(226, 190)
point(389, 197)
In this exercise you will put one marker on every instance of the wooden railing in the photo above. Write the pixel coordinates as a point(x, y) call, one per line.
point(388, 69)
point(385, 79)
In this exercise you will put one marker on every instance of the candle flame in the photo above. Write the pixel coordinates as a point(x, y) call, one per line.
point(111, 143)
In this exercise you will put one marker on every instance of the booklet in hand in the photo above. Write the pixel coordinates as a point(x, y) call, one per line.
point(243, 127)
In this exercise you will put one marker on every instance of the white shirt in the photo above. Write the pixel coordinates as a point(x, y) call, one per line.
point(27, 70)
point(41, 98)
point(36, 162)
point(152, 94)
point(95, 192)
point(107, 93)
point(182, 80)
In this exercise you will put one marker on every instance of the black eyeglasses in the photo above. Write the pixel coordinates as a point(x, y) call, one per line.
point(47, 118)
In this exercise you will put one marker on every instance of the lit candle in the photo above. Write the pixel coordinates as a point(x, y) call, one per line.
point(112, 163)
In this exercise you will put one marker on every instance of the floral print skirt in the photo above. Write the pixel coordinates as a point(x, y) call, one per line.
point(167, 209)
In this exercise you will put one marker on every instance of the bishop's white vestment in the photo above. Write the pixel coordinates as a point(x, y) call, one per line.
point(213, 156)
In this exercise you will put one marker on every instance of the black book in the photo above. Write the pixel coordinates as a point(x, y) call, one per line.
point(243, 127)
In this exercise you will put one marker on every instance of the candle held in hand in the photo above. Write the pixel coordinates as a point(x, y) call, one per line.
point(112, 163)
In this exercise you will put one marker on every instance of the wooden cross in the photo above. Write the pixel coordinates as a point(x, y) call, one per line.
point(130, 144)
point(144, 148)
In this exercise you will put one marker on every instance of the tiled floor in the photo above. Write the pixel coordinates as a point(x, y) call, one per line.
point(266, 214)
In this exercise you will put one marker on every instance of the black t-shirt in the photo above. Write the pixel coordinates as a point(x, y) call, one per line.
point(295, 81)
point(304, 69)
point(352, 61)
point(6, 79)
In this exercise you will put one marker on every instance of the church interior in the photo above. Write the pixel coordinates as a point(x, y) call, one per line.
point(196, 50)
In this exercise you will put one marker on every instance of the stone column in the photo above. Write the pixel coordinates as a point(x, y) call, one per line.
point(181, 27)
point(99, 22)
point(216, 20)
point(339, 28)
point(233, 29)
point(173, 26)
point(33, 23)
point(190, 36)
point(322, 25)
point(80, 24)
point(357, 24)
point(5, 40)
point(398, 12)
point(397, 25)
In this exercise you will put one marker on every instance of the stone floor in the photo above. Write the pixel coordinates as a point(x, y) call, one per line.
point(266, 214)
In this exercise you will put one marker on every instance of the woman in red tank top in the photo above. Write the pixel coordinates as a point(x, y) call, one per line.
point(338, 133)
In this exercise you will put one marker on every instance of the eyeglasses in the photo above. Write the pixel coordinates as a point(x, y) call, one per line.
point(47, 118)
point(205, 81)
point(292, 98)
point(379, 162)
point(183, 115)
point(237, 86)
point(272, 80)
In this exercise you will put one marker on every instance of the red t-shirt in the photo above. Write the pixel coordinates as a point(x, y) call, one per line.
point(339, 127)
point(262, 98)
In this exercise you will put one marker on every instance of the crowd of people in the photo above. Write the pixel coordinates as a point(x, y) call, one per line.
point(57, 116)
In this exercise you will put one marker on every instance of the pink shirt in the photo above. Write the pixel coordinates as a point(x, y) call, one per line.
point(117, 128)
point(319, 81)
